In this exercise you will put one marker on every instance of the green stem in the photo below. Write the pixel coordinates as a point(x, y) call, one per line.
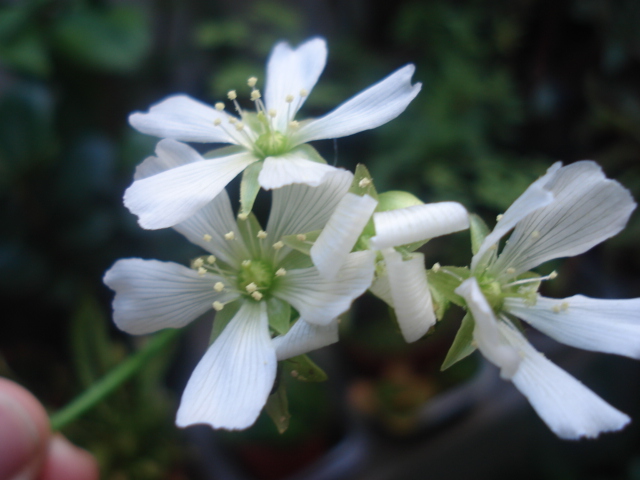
point(112, 380)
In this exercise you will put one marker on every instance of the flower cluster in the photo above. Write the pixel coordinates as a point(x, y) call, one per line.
point(278, 292)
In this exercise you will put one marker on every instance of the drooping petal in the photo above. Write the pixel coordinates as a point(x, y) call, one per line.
point(230, 385)
point(587, 209)
point(485, 332)
point(292, 168)
point(304, 337)
point(209, 225)
point(170, 154)
point(290, 71)
point(381, 288)
point(319, 301)
point(417, 223)
point(300, 208)
point(172, 196)
point(568, 408)
point(536, 196)
point(609, 326)
point(152, 295)
point(182, 118)
point(371, 108)
point(341, 233)
point(410, 293)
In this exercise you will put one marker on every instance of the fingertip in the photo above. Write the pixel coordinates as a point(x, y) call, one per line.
point(65, 461)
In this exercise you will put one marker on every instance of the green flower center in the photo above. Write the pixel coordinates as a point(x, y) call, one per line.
point(256, 275)
point(271, 144)
point(492, 291)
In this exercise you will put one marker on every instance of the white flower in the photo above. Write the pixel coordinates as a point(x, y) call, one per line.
point(271, 138)
point(564, 213)
point(402, 280)
point(251, 270)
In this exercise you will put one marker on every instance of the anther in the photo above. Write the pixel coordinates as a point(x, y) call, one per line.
point(511, 270)
point(552, 275)
point(436, 267)
point(252, 82)
point(217, 122)
point(301, 237)
point(232, 95)
point(202, 271)
point(278, 245)
point(255, 95)
point(217, 306)
point(257, 296)
point(535, 234)
point(252, 287)
point(198, 262)
point(294, 124)
point(239, 126)
point(218, 287)
point(262, 234)
point(281, 272)
point(499, 217)
point(289, 98)
point(273, 112)
point(304, 92)
point(243, 216)
point(206, 237)
point(211, 259)
point(219, 106)
point(233, 120)
point(246, 263)
point(230, 235)
point(365, 182)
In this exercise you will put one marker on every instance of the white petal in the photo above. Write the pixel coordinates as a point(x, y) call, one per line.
point(371, 108)
point(152, 295)
point(230, 385)
point(291, 168)
point(288, 72)
point(536, 196)
point(305, 337)
point(341, 233)
point(172, 196)
point(587, 209)
point(381, 288)
point(610, 326)
point(568, 408)
point(182, 118)
point(300, 208)
point(319, 301)
point(418, 223)
point(410, 293)
point(170, 154)
point(485, 332)
point(207, 227)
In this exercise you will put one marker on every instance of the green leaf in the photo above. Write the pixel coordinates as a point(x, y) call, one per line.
point(279, 313)
point(445, 280)
point(26, 52)
point(222, 319)
point(249, 187)
point(300, 245)
point(303, 369)
point(362, 183)
point(277, 408)
point(462, 345)
point(478, 230)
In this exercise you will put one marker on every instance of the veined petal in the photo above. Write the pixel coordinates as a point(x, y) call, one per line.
point(292, 168)
point(290, 71)
point(299, 208)
point(485, 332)
point(410, 293)
point(208, 226)
point(587, 209)
point(170, 154)
point(568, 408)
point(182, 118)
point(371, 108)
point(230, 385)
point(152, 295)
point(417, 223)
point(319, 301)
point(172, 196)
point(381, 288)
point(533, 198)
point(304, 337)
point(341, 233)
point(610, 326)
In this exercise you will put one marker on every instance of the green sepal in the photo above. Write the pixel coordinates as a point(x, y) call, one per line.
point(446, 279)
point(277, 408)
point(249, 187)
point(462, 345)
point(249, 228)
point(440, 302)
point(307, 151)
point(222, 319)
point(303, 369)
point(478, 230)
point(303, 246)
point(360, 174)
point(279, 313)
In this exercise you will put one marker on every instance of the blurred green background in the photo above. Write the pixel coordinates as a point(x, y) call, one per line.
point(509, 87)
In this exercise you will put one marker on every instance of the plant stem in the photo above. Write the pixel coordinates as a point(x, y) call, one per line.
point(112, 380)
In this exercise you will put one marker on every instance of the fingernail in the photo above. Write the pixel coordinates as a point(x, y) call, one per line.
point(18, 437)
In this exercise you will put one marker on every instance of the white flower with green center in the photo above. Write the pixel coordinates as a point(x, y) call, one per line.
point(270, 144)
point(254, 281)
point(388, 225)
point(564, 213)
